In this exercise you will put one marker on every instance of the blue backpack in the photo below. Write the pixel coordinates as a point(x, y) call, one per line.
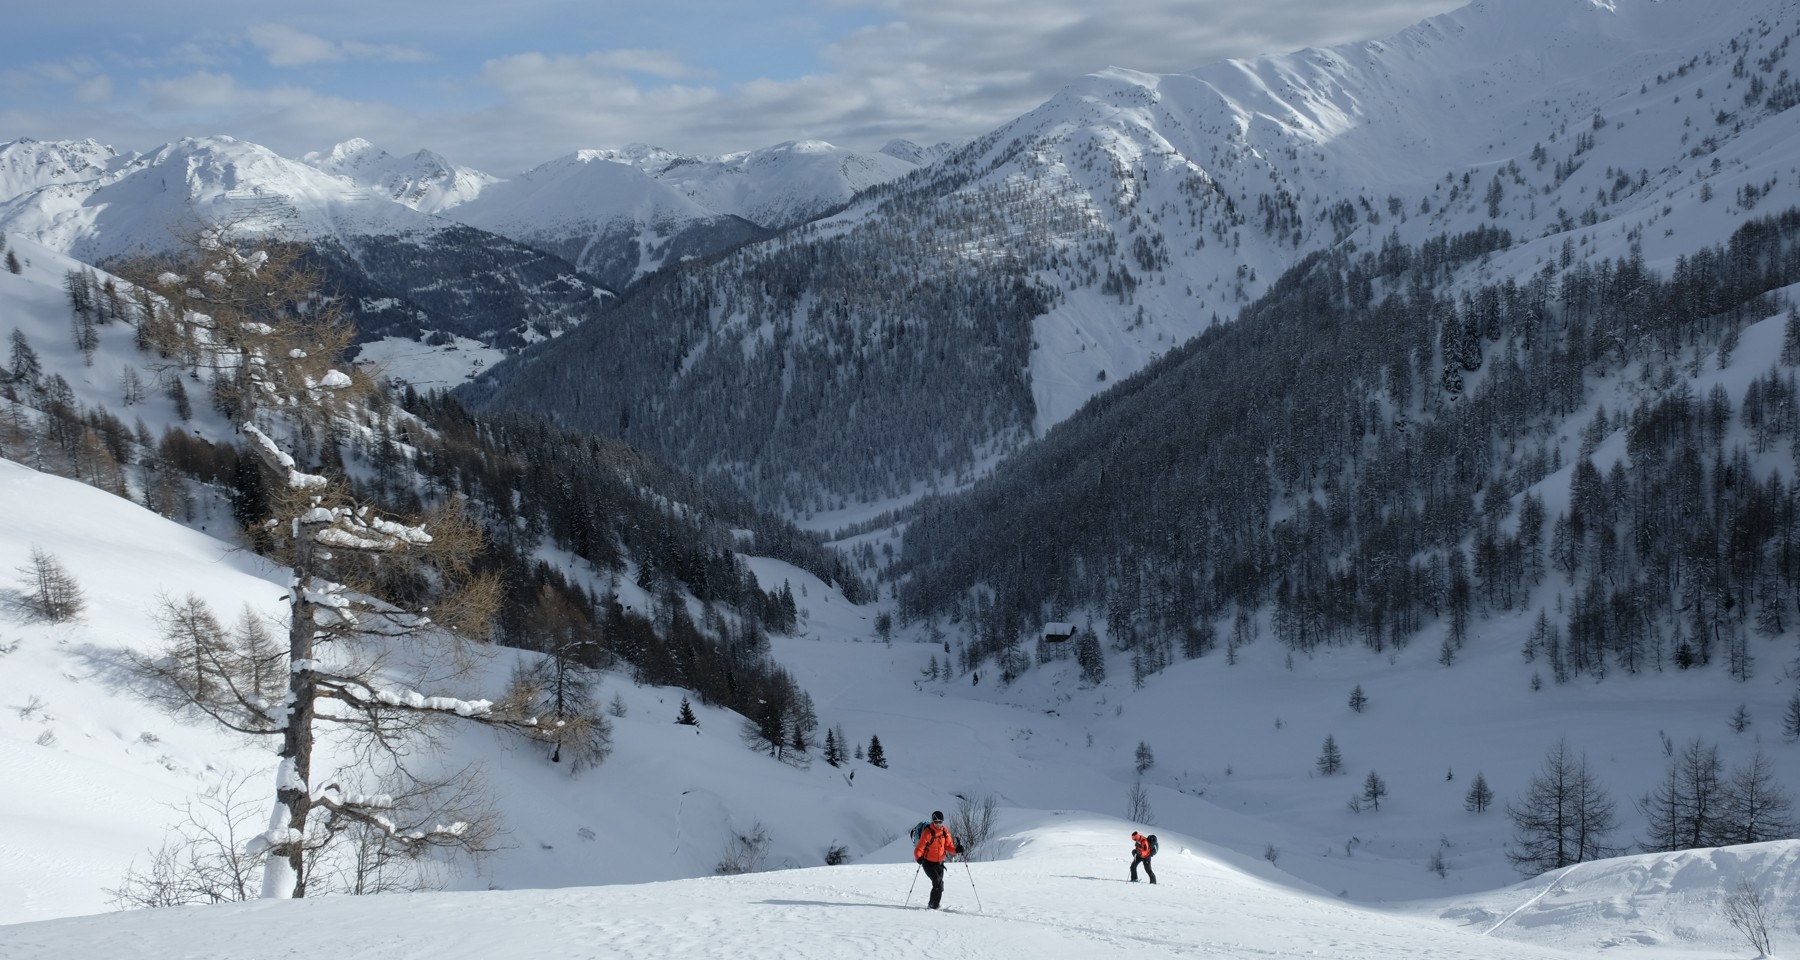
point(918, 829)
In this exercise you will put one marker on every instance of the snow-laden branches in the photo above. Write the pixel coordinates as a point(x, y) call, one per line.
point(269, 342)
point(252, 321)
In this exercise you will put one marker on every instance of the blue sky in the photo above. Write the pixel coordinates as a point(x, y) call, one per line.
point(504, 86)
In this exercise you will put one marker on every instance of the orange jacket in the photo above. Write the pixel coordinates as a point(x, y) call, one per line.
point(935, 843)
point(1143, 845)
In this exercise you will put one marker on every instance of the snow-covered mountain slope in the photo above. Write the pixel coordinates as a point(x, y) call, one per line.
point(106, 768)
point(93, 772)
point(145, 205)
point(425, 181)
point(1592, 122)
point(608, 218)
point(26, 165)
point(403, 272)
point(1149, 207)
point(774, 187)
point(915, 154)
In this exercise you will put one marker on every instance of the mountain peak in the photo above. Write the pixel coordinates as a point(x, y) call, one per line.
point(353, 152)
point(27, 164)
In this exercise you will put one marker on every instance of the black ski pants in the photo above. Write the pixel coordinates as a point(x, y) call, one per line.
point(1135, 860)
point(934, 871)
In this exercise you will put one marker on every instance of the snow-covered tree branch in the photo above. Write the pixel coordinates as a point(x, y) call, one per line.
point(382, 610)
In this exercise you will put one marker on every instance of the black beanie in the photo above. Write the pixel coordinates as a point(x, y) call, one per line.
point(937, 816)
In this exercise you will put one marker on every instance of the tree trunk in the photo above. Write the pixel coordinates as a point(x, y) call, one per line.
point(284, 873)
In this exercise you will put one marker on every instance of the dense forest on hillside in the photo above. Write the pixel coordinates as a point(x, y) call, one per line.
point(1356, 452)
point(771, 369)
point(853, 359)
point(531, 487)
point(458, 280)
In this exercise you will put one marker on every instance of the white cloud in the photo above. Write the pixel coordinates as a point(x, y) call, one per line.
point(200, 90)
point(285, 46)
point(385, 52)
point(94, 89)
point(655, 63)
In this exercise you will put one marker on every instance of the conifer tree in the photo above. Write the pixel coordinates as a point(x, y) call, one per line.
point(1145, 759)
point(1090, 657)
point(1790, 721)
point(1756, 807)
point(1374, 788)
point(273, 345)
point(559, 688)
point(686, 715)
point(877, 756)
point(1330, 761)
point(24, 365)
point(1790, 337)
point(184, 408)
point(1564, 817)
point(1479, 797)
point(1686, 810)
point(51, 592)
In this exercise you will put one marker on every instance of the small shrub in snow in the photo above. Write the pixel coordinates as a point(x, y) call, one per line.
point(51, 592)
point(1747, 913)
point(745, 850)
point(972, 824)
point(1137, 805)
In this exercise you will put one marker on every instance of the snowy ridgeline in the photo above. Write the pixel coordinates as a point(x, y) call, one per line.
point(1061, 893)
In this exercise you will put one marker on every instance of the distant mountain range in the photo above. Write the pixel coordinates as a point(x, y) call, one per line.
point(396, 230)
point(425, 181)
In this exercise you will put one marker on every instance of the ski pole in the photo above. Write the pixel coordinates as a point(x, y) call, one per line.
point(914, 883)
point(971, 875)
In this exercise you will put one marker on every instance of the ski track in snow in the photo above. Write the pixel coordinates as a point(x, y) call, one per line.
point(1534, 901)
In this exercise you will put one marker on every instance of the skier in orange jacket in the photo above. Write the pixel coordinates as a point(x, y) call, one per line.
point(935, 844)
point(1141, 853)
